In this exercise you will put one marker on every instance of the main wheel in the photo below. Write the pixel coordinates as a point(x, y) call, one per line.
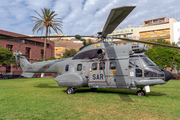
point(143, 92)
point(140, 93)
point(70, 90)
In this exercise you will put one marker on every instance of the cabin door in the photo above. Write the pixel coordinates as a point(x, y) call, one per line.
point(135, 71)
point(97, 72)
point(118, 73)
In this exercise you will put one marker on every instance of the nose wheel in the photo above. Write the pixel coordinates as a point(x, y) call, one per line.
point(141, 93)
point(71, 90)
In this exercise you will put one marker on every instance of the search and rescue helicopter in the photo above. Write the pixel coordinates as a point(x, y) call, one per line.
point(103, 64)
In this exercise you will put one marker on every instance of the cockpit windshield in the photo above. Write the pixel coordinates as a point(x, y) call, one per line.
point(147, 62)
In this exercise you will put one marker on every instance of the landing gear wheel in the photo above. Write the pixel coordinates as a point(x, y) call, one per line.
point(141, 93)
point(70, 90)
point(93, 89)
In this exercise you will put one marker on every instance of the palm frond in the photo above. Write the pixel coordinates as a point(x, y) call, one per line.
point(59, 30)
point(35, 17)
point(57, 21)
point(52, 14)
point(54, 24)
point(44, 14)
point(39, 14)
point(54, 28)
point(58, 18)
point(35, 27)
point(40, 21)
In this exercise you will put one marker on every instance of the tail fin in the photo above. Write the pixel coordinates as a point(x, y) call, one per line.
point(24, 63)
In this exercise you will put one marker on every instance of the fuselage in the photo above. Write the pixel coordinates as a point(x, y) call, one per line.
point(119, 68)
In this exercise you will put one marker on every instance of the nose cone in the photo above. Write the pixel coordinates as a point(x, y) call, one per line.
point(168, 75)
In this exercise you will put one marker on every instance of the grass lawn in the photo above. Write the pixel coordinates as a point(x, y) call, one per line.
point(39, 98)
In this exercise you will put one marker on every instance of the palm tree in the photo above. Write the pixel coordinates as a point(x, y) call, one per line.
point(47, 21)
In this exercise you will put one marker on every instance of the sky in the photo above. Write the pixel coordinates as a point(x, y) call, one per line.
point(83, 17)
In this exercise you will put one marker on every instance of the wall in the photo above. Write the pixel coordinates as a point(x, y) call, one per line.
point(176, 32)
point(35, 51)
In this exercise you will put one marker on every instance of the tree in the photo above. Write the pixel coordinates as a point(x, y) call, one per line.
point(89, 42)
point(69, 53)
point(5, 55)
point(47, 21)
point(78, 37)
point(82, 39)
point(161, 40)
point(163, 56)
point(86, 43)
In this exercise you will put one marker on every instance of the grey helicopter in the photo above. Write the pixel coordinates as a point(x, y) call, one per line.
point(103, 64)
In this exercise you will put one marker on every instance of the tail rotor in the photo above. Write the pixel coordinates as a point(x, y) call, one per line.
point(16, 54)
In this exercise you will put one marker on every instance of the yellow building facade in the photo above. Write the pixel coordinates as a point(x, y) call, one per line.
point(164, 33)
point(150, 30)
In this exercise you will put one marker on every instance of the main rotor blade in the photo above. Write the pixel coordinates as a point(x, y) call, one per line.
point(10, 38)
point(19, 46)
point(116, 16)
point(146, 42)
point(10, 59)
point(16, 62)
point(33, 59)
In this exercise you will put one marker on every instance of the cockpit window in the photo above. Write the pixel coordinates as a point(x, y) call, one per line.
point(134, 63)
point(148, 73)
point(147, 62)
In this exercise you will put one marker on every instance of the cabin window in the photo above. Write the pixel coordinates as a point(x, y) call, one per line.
point(79, 67)
point(67, 68)
point(94, 66)
point(101, 65)
point(112, 65)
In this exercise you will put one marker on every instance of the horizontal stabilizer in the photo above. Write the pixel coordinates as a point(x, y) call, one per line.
point(28, 74)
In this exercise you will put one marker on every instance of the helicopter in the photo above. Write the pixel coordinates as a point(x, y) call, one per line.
point(103, 64)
